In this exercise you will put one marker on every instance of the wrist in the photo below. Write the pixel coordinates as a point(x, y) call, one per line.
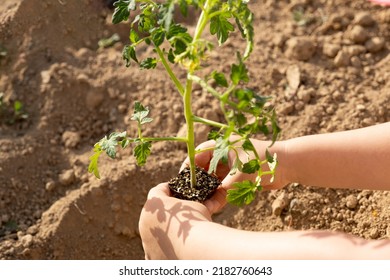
point(285, 169)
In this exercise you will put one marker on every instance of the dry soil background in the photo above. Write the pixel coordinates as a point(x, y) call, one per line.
point(325, 63)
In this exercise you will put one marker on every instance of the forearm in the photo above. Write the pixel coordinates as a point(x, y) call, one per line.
point(351, 159)
point(227, 243)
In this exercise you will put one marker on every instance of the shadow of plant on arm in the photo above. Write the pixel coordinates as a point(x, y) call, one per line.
point(168, 222)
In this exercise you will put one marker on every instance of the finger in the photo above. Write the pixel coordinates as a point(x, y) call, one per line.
point(217, 201)
point(161, 190)
point(230, 179)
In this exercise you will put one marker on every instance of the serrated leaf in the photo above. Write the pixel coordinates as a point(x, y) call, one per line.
point(219, 78)
point(93, 164)
point(141, 152)
point(129, 54)
point(158, 37)
point(166, 14)
point(221, 153)
point(243, 193)
point(108, 144)
point(213, 135)
point(122, 10)
point(272, 161)
point(174, 30)
point(148, 63)
point(134, 37)
point(244, 20)
point(248, 146)
point(239, 72)
point(244, 97)
point(171, 56)
point(125, 143)
point(183, 7)
point(237, 166)
point(147, 19)
point(141, 113)
point(251, 166)
point(221, 26)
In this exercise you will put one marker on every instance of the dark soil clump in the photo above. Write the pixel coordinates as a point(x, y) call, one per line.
point(206, 184)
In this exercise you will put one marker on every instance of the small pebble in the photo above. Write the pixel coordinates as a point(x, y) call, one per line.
point(342, 59)
point(358, 34)
point(67, 177)
point(374, 233)
point(351, 202)
point(300, 48)
point(364, 19)
point(375, 44)
point(50, 185)
point(279, 204)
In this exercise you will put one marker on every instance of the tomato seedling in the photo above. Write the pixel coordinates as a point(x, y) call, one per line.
point(246, 113)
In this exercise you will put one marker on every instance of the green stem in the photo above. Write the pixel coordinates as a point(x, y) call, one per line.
point(209, 122)
point(139, 131)
point(204, 85)
point(172, 75)
point(190, 130)
point(156, 139)
point(202, 22)
point(204, 150)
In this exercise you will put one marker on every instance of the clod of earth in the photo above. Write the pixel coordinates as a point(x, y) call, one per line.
point(206, 184)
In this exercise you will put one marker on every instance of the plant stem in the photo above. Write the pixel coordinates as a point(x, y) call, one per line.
point(157, 139)
point(190, 131)
point(209, 122)
point(170, 72)
point(202, 22)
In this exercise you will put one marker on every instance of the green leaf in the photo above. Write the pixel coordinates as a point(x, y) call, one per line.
point(158, 36)
point(166, 14)
point(219, 78)
point(93, 164)
point(239, 72)
point(134, 37)
point(174, 30)
point(244, 20)
point(243, 193)
point(178, 38)
point(237, 165)
point(141, 152)
point(129, 54)
point(183, 7)
point(109, 144)
point(148, 63)
point(122, 10)
point(213, 135)
point(272, 161)
point(275, 127)
point(248, 146)
point(171, 56)
point(221, 153)
point(221, 26)
point(251, 166)
point(244, 98)
point(147, 19)
point(141, 113)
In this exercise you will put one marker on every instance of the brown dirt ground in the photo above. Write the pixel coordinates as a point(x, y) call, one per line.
point(327, 70)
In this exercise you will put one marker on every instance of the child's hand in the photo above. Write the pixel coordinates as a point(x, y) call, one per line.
point(218, 200)
point(166, 222)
